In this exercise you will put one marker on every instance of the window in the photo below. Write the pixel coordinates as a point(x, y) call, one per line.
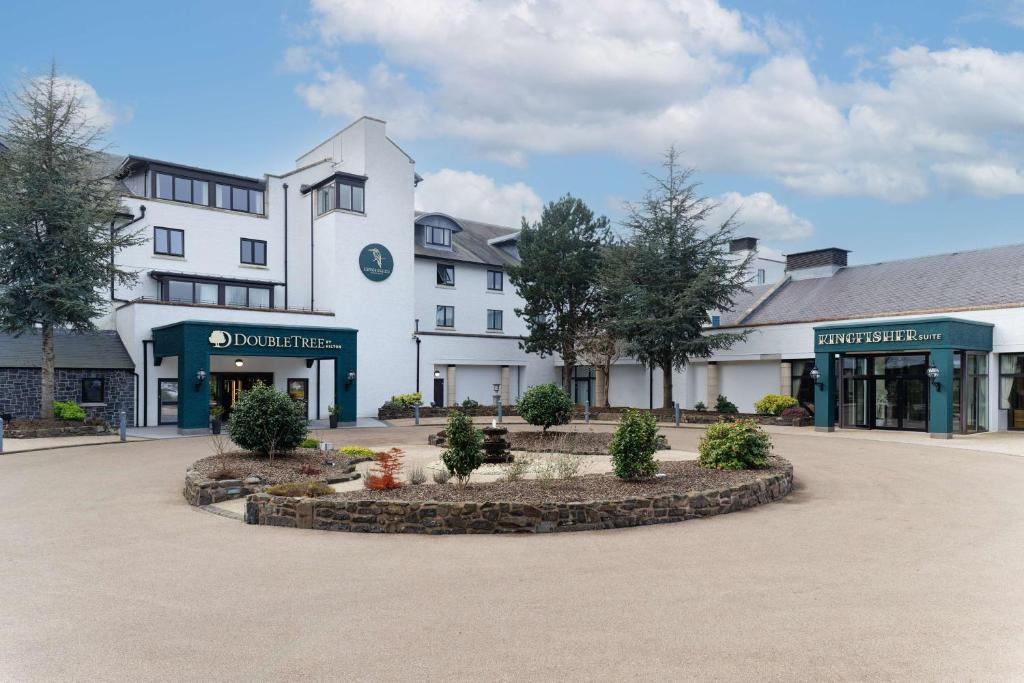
point(201, 192)
point(223, 196)
point(495, 280)
point(239, 199)
point(189, 292)
point(761, 277)
point(256, 201)
point(439, 237)
point(801, 384)
point(164, 186)
point(180, 291)
point(446, 274)
point(446, 316)
point(1011, 388)
point(716, 320)
point(350, 195)
point(494, 319)
point(92, 390)
point(167, 398)
point(259, 297)
point(182, 189)
point(254, 252)
point(235, 295)
point(207, 293)
point(324, 199)
point(168, 241)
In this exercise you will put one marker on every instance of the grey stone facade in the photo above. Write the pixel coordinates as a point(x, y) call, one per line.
point(20, 392)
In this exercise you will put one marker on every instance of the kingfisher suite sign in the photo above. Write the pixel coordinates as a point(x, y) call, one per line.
point(219, 339)
point(876, 337)
point(376, 262)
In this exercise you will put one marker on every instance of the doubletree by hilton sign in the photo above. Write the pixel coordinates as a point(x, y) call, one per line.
point(876, 337)
point(219, 339)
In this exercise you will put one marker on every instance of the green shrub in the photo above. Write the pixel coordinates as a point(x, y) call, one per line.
point(739, 445)
point(309, 442)
point(545, 405)
point(470, 403)
point(700, 407)
point(464, 443)
point(357, 451)
point(774, 404)
point(724, 405)
point(633, 445)
point(267, 422)
point(407, 400)
point(68, 410)
point(301, 489)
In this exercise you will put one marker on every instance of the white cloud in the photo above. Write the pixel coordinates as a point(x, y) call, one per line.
point(760, 215)
point(985, 179)
point(515, 78)
point(474, 196)
point(97, 111)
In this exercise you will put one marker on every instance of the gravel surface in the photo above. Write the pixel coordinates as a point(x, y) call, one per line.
point(579, 443)
point(683, 476)
point(284, 468)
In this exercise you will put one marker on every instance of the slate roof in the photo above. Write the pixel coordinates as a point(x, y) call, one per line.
point(91, 350)
point(471, 244)
point(964, 280)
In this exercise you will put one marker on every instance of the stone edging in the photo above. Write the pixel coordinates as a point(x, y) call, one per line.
point(50, 432)
point(200, 491)
point(432, 517)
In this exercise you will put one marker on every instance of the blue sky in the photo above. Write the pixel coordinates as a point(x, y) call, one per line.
point(892, 129)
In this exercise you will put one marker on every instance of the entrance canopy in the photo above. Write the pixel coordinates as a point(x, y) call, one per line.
point(940, 338)
point(194, 341)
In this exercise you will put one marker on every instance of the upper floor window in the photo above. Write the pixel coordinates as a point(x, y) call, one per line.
point(239, 199)
point(439, 237)
point(215, 293)
point(446, 274)
point(168, 241)
point(92, 390)
point(495, 280)
point(182, 189)
point(446, 316)
point(761, 276)
point(254, 252)
point(325, 199)
point(494, 319)
point(344, 193)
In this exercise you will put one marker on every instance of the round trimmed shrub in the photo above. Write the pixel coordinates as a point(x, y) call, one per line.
point(267, 422)
point(545, 405)
point(739, 445)
point(724, 405)
point(633, 445)
point(464, 452)
point(774, 404)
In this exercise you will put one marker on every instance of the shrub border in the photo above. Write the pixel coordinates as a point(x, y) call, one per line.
point(433, 517)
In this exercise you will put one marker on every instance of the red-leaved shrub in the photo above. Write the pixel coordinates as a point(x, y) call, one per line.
point(387, 466)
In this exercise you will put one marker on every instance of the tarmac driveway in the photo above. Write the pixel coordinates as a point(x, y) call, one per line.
point(889, 561)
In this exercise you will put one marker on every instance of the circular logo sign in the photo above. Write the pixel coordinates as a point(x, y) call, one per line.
point(376, 262)
point(219, 339)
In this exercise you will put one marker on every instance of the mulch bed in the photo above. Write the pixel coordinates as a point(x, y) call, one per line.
point(577, 443)
point(284, 468)
point(682, 476)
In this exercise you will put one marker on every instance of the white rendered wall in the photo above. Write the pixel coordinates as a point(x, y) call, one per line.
point(743, 383)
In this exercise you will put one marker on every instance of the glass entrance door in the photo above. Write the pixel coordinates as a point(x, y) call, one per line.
point(227, 388)
point(885, 392)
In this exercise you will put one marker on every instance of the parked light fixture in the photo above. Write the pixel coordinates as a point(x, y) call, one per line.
point(350, 377)
point(200, 377)
point(815, 374)
point(239, 362)
point(933, 375)
point(437, 374)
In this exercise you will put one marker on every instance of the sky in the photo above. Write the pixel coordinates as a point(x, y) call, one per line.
point(893, 129)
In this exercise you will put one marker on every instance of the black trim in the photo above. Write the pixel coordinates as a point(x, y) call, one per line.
point(252, 251)
point(172, 275)
point(134, 164)
point(450, 322)
point(169, 230)
point(82, 390)
point(285, 245)
point(160, 404)
point(441, 279)
point(501, 280)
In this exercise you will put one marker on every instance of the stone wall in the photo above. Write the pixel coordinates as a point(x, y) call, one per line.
point(20, 392)
point(395, 413)
point(430, 517)
point(46, 432)
point(202, 491)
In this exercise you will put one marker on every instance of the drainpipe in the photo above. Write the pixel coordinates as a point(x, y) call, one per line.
point(136, 423)
point(418, 341)
point(286, 246)
point(145, 382)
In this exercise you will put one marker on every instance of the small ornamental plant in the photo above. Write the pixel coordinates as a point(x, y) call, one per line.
point(700, 407)
point(301, 489)
point(724, 405)
point(774, 404)
point(633, 445)
point(356, 451)
point(407, 400)
point(739, 445)
point(68, 410)
point(545, 405)
point(267, 421)
point(794, 411)
point(386, 470)
point(470, 403)
point(464, 452)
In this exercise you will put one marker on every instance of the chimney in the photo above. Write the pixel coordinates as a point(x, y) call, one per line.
point(743, 244)
point(818, 263)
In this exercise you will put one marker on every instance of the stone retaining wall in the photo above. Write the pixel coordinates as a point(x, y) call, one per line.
point(202, 491)
point(431, 517)
point(47, 432)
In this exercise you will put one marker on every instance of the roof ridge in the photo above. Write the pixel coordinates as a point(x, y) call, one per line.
point(937, 255)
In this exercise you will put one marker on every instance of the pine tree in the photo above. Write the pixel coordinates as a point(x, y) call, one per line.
point(560, 259)
point(663, 281)
point(58, 208)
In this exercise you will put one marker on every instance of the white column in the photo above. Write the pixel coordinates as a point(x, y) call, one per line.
point(504, 393)
point(450, 386)
point(712, 395)
point(785, 378)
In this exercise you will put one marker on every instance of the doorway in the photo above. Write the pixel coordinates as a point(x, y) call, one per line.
point(227, 387)
point(439, 392)
point(885, 392)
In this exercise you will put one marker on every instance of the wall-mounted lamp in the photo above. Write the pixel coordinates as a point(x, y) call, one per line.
point(933, 375)
point(815, 374)
point(350, 377)
point(200, 378)
point(437, 374)
point(239, 362)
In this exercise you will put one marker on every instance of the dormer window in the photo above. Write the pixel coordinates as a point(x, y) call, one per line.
point(343, 192)
point(439, 237)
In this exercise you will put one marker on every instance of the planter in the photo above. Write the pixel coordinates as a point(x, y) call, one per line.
point(215, 426)
point(333, 420)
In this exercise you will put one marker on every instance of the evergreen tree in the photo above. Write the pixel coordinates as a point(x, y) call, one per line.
point(558, 278)
point(663, 281)
point(57, 215)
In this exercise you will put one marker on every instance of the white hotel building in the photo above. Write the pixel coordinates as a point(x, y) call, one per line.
point(326, 282)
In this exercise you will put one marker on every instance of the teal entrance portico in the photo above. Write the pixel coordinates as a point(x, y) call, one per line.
point(911, 368)
point(193, 342)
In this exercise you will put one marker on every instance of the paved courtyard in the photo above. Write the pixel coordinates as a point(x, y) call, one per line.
point(891, 560)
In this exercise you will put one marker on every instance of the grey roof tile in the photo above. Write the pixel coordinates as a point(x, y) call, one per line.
point(471, 244)
point(90, 350)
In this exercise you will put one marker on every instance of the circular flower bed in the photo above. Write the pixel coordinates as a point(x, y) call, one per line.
point(577, 443)
point(685, 491)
